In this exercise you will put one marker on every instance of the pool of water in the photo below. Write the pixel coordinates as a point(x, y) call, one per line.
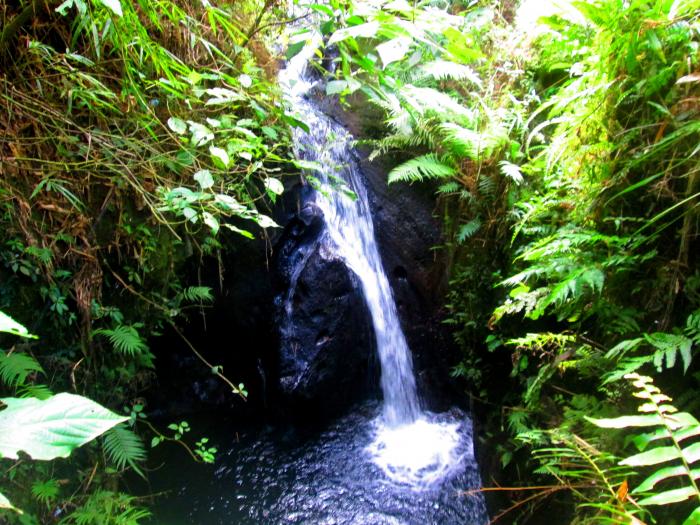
point(344, 473)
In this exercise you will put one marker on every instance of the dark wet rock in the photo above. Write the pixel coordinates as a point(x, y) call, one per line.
point(326, 349)
point(407, 232)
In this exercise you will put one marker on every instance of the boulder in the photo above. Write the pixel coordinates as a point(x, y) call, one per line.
point(326, 342)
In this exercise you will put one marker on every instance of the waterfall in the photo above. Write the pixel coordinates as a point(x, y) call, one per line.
point(342, 198)
point(411, 446)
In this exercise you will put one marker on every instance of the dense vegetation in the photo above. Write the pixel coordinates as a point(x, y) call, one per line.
point(563, 148)
point(565, 154)
point(136, 136)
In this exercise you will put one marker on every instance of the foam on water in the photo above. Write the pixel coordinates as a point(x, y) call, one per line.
point(419, 454)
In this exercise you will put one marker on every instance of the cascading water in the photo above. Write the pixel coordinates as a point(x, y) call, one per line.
point(351, 236)
point(391, 465)
point(409, 446)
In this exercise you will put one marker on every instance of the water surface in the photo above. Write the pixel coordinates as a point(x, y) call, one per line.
point(298, 475)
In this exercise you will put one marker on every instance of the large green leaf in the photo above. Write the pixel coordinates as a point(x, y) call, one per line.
point(5, 504)
point(694, 518)
point(9, 325)
point(51, 428)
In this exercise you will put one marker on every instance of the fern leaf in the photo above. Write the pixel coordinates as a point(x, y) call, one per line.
point(424, 167)
point(468, 142)
point(469, 229)
point(124, 447)
point(37, 391)
point(200, 294)
point(45, 491)
point(125, 339)
point(511, 171)
point(448, 188)
point(104, 507)
point(424, 100)
point(446, 70)
point(487, 187)
point(16, 367)
point(674, 428)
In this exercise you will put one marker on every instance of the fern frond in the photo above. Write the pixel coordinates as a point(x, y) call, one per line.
point(424, 167)
point(468, 230)
point(487, 187)
point(37, 391)
point(16, 367)
point(45, 491)
point(446, 70)
point(449, 188)
point(511, 171)
point(125, 339)
point(674, 448)
point(103, 507)
point(424, 100)
point(469, 143)
point(194, 294)
point(426, 135)
point(124, 447)
point(573, 461)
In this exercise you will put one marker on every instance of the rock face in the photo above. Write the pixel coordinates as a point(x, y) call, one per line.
point(326, 347)
point(407, 233)
point(327, 350)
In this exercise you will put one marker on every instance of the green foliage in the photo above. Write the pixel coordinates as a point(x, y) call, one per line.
point(53, 427)
point(16, 367)
point(195, 294)
point(124, 447)
point(564, 154)
point(424, 167)
point(597, 483)
point(125, 339)
point(668, 448)
point(46, 491)
point(107, 508)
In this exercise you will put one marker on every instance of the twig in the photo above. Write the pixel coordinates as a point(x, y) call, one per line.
point(214, 369)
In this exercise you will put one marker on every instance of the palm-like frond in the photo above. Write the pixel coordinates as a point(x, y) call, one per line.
point(425, 100)
point(125, 339)
point(194, 294)
point(476, 145)
point(428, 166)
point(16, 367)
point(446, 70)
point(468, 230)
point(124, 447)
point(37, 391)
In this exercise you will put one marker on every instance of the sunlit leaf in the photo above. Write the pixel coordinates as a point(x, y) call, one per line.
point(394, 49)
point(113, 5)
point(9, 325)
point(204, 178)
point(179, 126)
point(220, 157)
point(51, 428)
point(274, 185)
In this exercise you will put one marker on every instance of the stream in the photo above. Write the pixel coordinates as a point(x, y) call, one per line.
point(389, 462)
